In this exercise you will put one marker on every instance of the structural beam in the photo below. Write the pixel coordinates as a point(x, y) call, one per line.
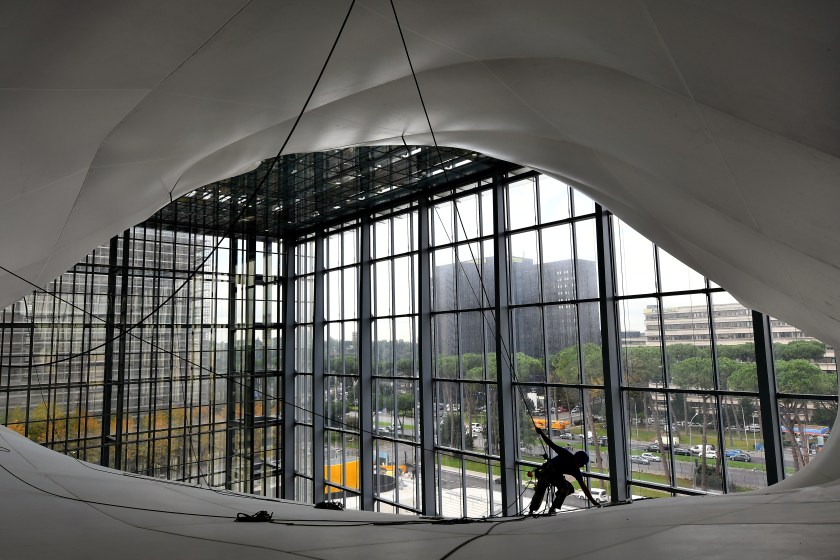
point(287, 486)
point(366, 482)
point(773, 455)
point(426, 469)
point(610, 356)
point(504, 375)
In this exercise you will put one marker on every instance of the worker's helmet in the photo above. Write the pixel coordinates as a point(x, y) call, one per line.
point(582, 457)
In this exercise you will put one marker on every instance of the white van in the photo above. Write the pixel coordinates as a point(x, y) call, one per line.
point(698, 449)
point(599, 494)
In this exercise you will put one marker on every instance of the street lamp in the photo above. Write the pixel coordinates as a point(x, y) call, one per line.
point(754, 415)
point(690, 422)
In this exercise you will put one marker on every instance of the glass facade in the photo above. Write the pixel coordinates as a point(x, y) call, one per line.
point(395, 353)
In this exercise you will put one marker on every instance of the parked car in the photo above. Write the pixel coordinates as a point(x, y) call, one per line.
point(639, 459)
point(698, 449)
point(681, 451)
point(576, 409)
point(651, 457)
point(652, 447)
point(708, 454)
point(599, 494)
point(731, 452)
point(741, 457)
point(566, 435)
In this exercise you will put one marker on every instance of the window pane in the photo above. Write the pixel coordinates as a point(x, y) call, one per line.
point(641, 355)
point(558, 270)
point(522, 211)
point(635, 271)
point(582, 203)
point(524, 268)
point(805, 426)
point(676, 276)
point(554, 200)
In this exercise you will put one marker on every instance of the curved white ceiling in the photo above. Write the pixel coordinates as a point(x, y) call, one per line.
point(711, 127)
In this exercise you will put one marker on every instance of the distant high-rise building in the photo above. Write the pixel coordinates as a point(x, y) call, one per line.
point(469, 288)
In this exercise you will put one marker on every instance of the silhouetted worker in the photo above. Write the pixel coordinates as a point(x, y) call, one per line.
point(551, 473)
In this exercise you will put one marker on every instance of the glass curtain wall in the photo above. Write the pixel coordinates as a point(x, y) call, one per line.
point(464, 353)
point(163, 353)
point(304, 367)
point(53, 361)
point(341, 367)
point(141, 384)
point(555, 320)
point(395, 361)
point(806, 382)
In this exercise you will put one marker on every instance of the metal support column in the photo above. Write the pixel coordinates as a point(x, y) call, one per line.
point(287, 486)
point(366, 482)
point(121, 356)
point(504, 375)
point(773, 456)
point(609, 354)
point(232, 373)
point(249, 362)
point(426, 355)
point(108, 381)
point(318, 373)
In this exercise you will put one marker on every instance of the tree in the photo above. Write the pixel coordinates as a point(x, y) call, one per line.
point(738, 352)
point(450, 430)
point(800, 376)
point(676, 353)
point(696, 373)
point(800, 349)
point(405, 406)
point(447, 367)
point(642, 365)
point(744, 378)
point(529, 368)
